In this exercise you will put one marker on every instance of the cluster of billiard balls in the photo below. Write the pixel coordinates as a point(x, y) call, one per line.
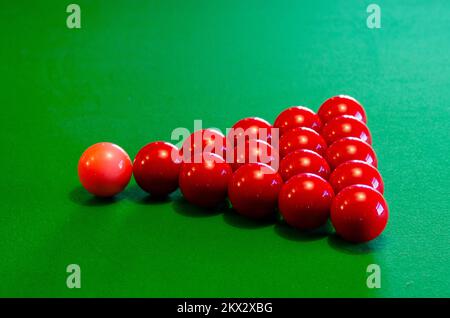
point(327, 169)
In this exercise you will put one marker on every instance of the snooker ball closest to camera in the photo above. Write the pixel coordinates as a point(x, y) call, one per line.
point(359, 213)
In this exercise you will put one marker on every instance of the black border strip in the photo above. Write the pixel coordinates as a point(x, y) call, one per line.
point(285, 306)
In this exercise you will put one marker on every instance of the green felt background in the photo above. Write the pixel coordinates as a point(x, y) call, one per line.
point(138, 69)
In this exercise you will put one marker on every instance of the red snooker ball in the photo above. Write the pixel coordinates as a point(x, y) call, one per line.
point(250, 128)
point(303, 161)
point(253, 190)
point(156, 168)
point(301, 138)
point(341, 105)
point(297, 116)
point(359, 213)
point(104, 169)
point(205, 140)
point(205, 184)
point(345, 126)
point(254, 151)
point(305, 201)
point(356, 172)
point(350, 148)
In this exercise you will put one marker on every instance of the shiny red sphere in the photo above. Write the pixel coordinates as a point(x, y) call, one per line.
point(303, 161)
point(205, 184)
point(350, 148)
point(251, 128)
point(156, 168)
point(254, 151)
point(345, 126)
point(341, 105)
point(356, 172)
point(359, 213)
point(104, 169)
point(205, 140)
point(301, 138)
point(297, 116)
point(253, 190)
point(305, 201)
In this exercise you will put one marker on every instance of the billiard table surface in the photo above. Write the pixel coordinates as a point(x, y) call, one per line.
point(136, 70)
